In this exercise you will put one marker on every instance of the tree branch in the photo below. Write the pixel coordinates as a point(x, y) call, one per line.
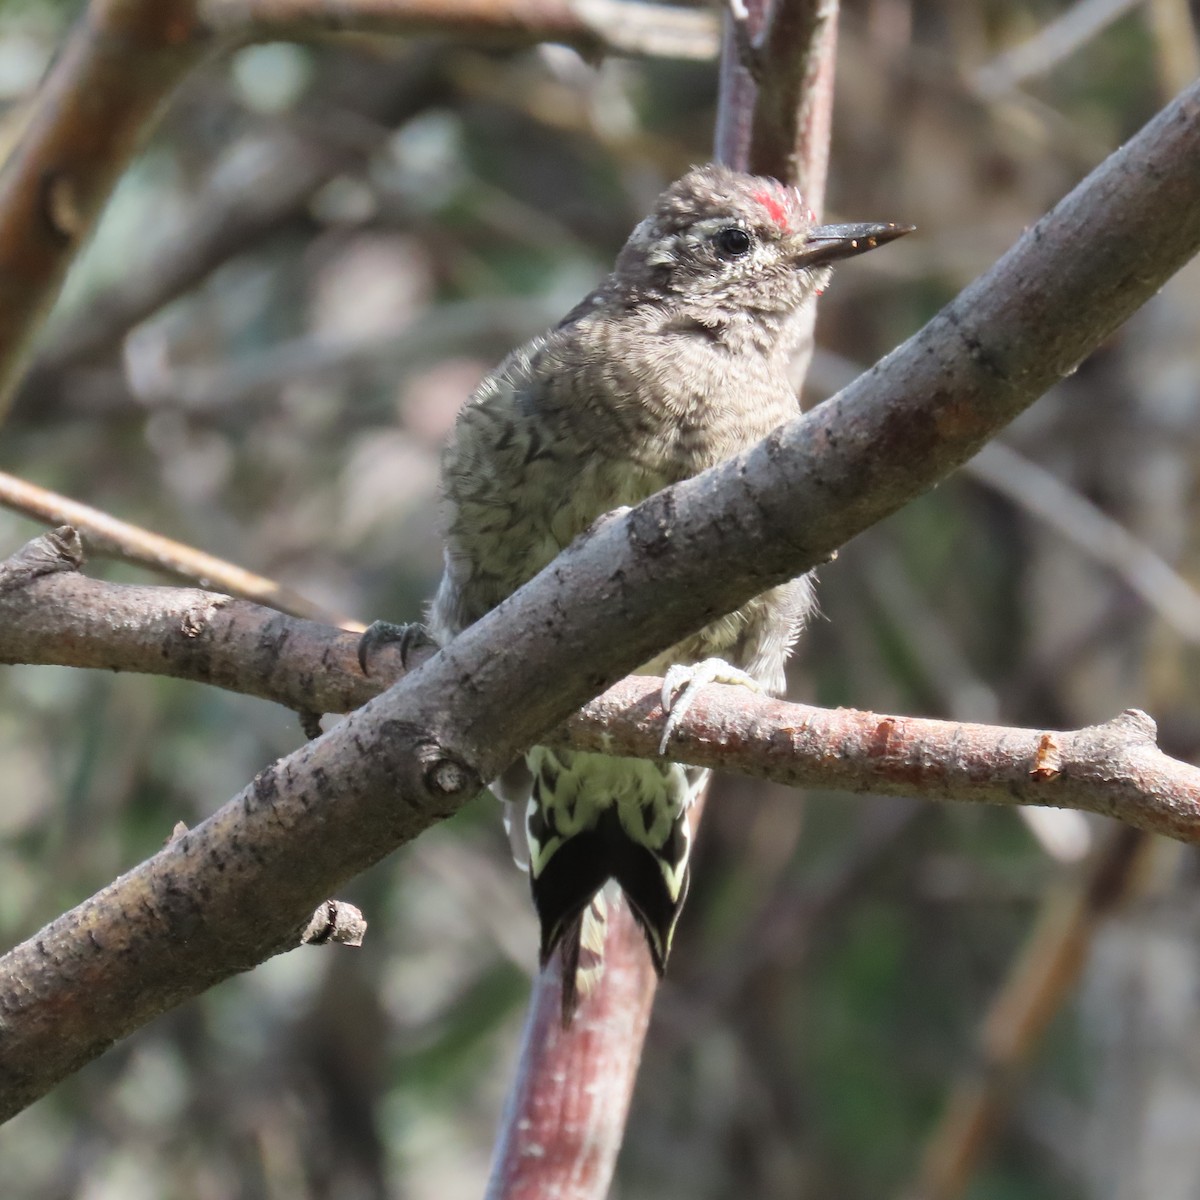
point(120, 60)
point(776, 118)
point(564, 1118)
point(113, 538)
point(606, 1076)
point(594, 27)
point(51, 614)
point(124, 57)
point(235, 210)
point(239, 887)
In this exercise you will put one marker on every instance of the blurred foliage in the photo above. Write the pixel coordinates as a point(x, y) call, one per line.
point(285, 411)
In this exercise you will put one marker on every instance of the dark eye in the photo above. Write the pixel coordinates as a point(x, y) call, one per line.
point(732, 242)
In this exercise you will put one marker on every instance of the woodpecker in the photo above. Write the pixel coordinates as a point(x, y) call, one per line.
point(678, 360)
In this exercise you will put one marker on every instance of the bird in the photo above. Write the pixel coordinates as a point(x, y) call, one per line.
point(675, 362)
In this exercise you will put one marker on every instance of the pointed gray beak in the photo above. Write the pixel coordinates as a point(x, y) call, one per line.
point(827, 243)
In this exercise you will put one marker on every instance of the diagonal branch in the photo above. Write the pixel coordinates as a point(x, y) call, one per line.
point(120, 60)
point(1040, 980)
point(237, 888)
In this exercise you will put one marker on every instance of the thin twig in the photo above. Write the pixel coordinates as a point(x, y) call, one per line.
point(1056, 40)
point(112, 538)
point(1045, 497)
point(1175, 43)
point(236, 209)
point(1035, 988)
point(594, 27)
point(437, 333)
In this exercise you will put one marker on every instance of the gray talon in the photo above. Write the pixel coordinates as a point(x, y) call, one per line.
point(682, 684)
point(410, 638)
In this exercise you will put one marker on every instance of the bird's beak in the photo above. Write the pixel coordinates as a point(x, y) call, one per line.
point(827, 243)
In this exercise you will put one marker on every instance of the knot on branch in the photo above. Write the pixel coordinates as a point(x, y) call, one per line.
point(446, 776)
point(59, 550)
point(650, 524)
point(335, 921)
point(1137, 725)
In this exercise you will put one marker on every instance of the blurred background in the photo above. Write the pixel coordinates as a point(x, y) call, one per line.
point(320, 253)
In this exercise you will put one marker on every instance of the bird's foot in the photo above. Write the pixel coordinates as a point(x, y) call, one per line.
point(682, 683)
point(411, 639)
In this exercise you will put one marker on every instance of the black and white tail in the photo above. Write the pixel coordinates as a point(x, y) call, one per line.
point(593, 818)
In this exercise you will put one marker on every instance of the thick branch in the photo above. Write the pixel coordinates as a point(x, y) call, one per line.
point(238, 888)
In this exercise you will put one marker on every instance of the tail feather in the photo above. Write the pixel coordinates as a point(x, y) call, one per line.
point(564, 887)
point(654, 904)
point(566, 894)
point(581, 953)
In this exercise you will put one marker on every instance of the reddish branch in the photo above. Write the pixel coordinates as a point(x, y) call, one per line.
point(777, 69)
point(773, 116)
point(565, 1114)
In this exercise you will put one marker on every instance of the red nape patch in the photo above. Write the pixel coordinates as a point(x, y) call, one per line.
point(779, 213)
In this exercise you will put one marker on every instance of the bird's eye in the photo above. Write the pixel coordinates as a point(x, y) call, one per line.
point(732, 241)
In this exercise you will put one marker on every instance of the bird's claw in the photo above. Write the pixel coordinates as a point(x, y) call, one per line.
point(682, 683)
point(410, 639)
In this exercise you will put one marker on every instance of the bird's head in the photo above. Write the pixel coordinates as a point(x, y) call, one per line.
point(720, 243)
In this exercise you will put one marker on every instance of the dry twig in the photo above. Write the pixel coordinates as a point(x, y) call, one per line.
point(594, 27)
point(236, 209)
point(1042, 977)
point(112, 538)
